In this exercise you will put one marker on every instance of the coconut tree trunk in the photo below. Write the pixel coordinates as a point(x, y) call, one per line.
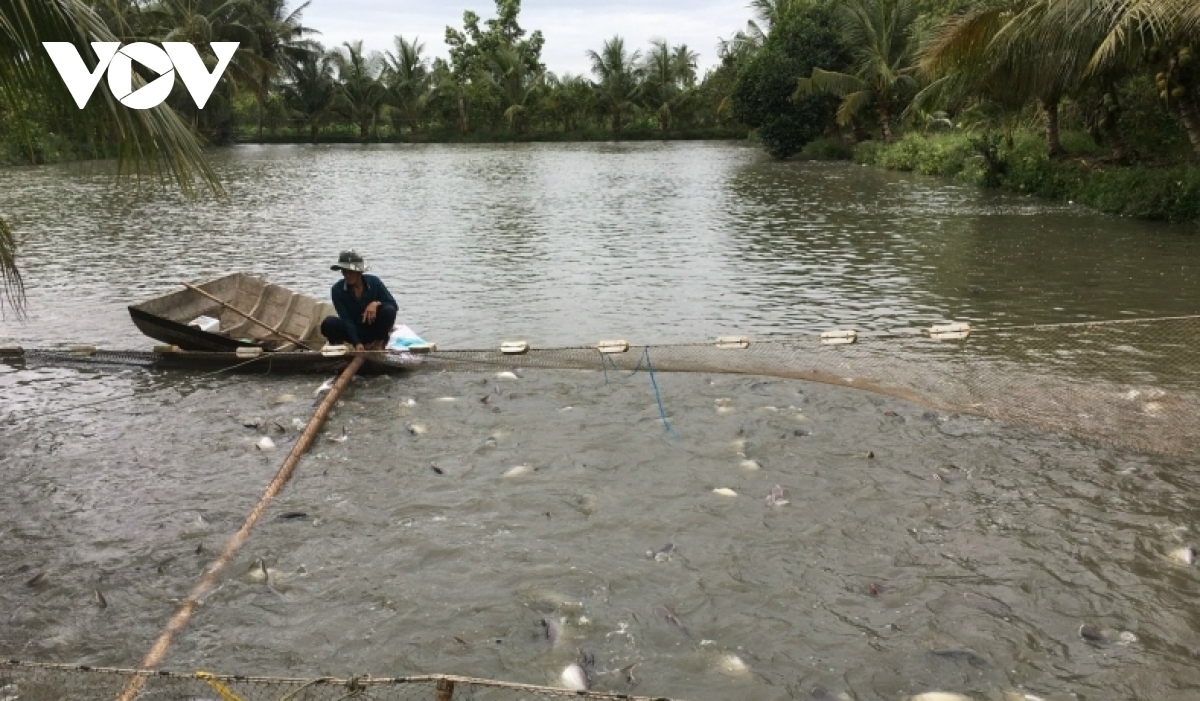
point(885, 119)
point(1053, 144)
point(1190, 115)
point(262, 105)
point(462, 111)
point(860, 134)
point(1111, 122)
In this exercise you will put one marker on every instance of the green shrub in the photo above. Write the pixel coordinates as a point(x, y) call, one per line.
point(826, 149)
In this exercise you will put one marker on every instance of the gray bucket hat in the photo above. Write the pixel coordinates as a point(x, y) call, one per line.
point(350, 260)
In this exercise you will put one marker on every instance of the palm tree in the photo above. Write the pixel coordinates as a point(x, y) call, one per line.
point(767, 15)
point(660, 84)
point(155, 138)
point(619, 75)
point(508, 72)
point(684, 62)
point(408, 79)
point(1169, 29)
point(281, 42)
point(567, 98)
point(881, 34)
point(312, 90)
point(359, 93)
point(1012, 52)
point(200, 22)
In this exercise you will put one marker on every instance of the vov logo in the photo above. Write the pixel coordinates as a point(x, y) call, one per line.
point(174, 56)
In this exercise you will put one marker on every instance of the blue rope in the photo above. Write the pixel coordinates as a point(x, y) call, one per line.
point(658, 397)
point(662, 412)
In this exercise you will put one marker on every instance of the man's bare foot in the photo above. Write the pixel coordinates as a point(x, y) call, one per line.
point(375, 345)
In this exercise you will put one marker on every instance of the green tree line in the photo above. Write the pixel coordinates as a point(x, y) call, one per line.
point(1125, 73)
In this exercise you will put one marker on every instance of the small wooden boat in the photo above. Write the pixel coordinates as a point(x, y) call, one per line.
point(250, 312)
point(228, 319)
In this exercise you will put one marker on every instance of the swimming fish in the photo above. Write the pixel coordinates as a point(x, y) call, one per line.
point(553, 630)
point(517, 471)
point(417, 429)
point(967, 656)
point(987, 603)
point(775, 498)
point(575, 678)
point(507, 375)
point(265, 444)
point(725, 492)
point(669, 616)
point(341, 438)
point(100, 600)
point(733, 665)
point(662, 554)
point(1185, 556)
point(1096, 636)
point(751, 465)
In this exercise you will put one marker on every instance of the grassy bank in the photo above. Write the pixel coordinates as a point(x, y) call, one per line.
point(1167, 192)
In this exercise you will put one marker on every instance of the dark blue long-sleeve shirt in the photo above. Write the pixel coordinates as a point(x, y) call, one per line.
point(350, 308)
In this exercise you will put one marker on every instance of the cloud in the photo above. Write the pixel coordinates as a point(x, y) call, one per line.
point(571, 27)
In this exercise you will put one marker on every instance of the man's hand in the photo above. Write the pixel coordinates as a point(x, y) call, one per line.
point(368, 316)
point(359, 346)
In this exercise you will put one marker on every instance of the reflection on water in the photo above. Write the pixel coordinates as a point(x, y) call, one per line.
point(565, 244)
point(987, 543)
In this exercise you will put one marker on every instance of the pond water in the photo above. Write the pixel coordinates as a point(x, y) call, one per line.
point(964, 555)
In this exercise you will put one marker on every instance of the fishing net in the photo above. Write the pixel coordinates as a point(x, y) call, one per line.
point(31, 681)
point(1133, 384)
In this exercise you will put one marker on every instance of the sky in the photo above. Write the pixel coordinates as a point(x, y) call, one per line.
point(571, 27)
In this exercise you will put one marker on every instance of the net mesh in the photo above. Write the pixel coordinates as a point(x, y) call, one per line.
point(1133, 384)
point(32, 681)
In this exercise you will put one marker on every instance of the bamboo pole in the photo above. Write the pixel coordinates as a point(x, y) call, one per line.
point(235, 310)
point(180, 619)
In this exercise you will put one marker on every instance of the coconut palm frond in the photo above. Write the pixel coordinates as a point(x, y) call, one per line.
point(10, 276)
point(839, 84)
point(155, 142)
point(852, 104)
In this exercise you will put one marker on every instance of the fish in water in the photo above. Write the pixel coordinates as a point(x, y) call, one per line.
point(417, 429)
point(553, 630)
point(339, 439)
point(265, 444)
point(662, 554)
point(292, 516)
point(733, 665)
point(939, 696)
point(284, 399)
point(751, 465)
point(1096, 636)
point(775, 498)
point(517, 471)
point(669, 616)
point(725, 492)
point(437, 469)
point(987, 603)
point(575, 678)
point(100, 600)
point(1185, 556)
point(325, 387)
point(36, 579)
point(967, 656)
point(507, 375)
